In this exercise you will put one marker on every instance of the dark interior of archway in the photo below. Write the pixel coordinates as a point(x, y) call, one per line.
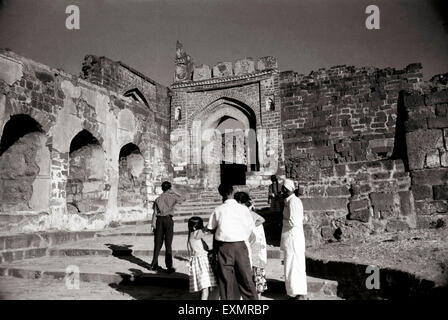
point(21, 140)
point(82, 139)
point(17, 127)
point(131, 182)
point(128, 149)
point(85, 183)
point(231, 173)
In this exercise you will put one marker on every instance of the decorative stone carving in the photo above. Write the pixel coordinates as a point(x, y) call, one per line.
point(244, 66)
point(202, 72)
point(178, 114)
point(184, 64)
point(222, 69)
point(269, 102)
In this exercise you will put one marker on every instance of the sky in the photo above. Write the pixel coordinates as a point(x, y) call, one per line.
point(304, 35)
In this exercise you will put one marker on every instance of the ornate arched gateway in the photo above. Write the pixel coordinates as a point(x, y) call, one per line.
point(231, 121)
point(223, 137)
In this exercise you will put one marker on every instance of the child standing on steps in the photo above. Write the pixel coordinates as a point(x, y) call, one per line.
point(201, 275)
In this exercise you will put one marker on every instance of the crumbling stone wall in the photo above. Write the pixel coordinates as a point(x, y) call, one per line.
point(344, 148)
point(120, 107)
point(426, 125)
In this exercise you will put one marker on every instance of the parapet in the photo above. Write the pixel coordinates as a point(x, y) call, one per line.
point(186, 71)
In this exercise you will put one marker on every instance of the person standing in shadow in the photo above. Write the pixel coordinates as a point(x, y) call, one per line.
point(163, 225)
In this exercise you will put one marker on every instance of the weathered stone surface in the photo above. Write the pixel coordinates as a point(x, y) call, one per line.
point(420, 143)
point(383, 204)
point(324, 204)
point(338, 191)
point(266, 63)
point(430, 176)
point(440, 192)
point(421, 192)
point(358, 204)
point(406, 203)
point(201, 72)
point(223, 69)
point(362, 215)
point(432, 159)
point(11, 70)
point(396, 225)
point(244, 66)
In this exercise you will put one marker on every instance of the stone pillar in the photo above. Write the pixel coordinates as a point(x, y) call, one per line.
point(59, 175)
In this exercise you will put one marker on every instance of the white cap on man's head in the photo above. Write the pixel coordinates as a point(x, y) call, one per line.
point(289, 184)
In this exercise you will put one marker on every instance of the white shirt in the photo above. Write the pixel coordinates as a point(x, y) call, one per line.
point(292, 231)
point(293, 212)
point(232, 221)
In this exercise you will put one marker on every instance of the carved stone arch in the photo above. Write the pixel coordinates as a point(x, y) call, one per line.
point(217, 103)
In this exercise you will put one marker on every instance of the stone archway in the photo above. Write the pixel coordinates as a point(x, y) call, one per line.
point(131, 182)
point(24, 166)
point(227, 151)
point(86, 179)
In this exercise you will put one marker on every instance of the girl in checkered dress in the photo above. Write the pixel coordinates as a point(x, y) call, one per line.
point(201, 275)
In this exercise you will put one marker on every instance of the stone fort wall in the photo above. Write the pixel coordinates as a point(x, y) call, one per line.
point(367, 146)
point(79, 154)
point(345, 144)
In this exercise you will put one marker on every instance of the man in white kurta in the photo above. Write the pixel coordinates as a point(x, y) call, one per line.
point(293, 243)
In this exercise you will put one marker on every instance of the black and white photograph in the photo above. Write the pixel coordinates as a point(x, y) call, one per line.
point(237, 150)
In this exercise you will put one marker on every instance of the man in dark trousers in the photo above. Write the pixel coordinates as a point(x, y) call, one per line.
point(233, 225)
point(163, 225)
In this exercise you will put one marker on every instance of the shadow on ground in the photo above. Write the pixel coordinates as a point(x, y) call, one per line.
point(150, 285)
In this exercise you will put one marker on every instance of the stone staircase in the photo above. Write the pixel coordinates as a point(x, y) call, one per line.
point(122, 254)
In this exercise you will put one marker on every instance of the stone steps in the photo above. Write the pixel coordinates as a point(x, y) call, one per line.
point(132, 269)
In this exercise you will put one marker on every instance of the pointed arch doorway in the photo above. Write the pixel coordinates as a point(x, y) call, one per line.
point(227, 129)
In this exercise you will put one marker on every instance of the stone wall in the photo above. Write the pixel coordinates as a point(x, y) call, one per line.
point(117, 106)
point(426, 124)
point(344, 147)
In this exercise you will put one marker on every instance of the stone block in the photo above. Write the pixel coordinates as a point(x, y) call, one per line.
point(432, 159)
point(406, 201)
point(338, 191)
point(362, 215)
point(413, 100)
point(201, 72)
point(440, 192)
point(438, 97)
point(396, 225)
point(324, 204)
point(244, 66)
point(435, 176)
point(421, 192)
point(383, 204)
point(444, 159)
point(419, 143)
point(416, 122)
point(266, 63)
point(358, 204)
point(223, 69)
point(437, 123)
